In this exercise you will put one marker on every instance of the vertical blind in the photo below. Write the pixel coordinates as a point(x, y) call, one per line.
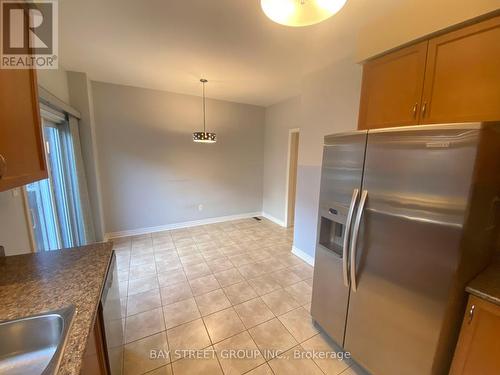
point(60, 205)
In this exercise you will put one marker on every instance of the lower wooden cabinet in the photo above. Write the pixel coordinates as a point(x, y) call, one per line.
point(478, 348)
point(94, 360)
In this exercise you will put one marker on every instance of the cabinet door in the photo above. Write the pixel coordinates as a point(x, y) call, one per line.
point(21, 145)
point(478, 349)
point(392, 88)
point(94, 358)
point(462, 79)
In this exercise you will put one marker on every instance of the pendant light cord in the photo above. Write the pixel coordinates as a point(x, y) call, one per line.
point(204, 109)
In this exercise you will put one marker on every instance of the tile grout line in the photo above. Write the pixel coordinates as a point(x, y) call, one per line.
point(225, 257)
point(163, 314)
point(206, 330)
point(222, 288)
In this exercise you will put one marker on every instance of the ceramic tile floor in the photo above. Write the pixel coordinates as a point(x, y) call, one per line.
point(227, 298)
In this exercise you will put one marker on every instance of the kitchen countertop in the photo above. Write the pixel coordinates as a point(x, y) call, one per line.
point(487, 284)
point(36, 283)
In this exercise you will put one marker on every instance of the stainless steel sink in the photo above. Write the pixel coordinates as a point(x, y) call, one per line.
point(34, 345)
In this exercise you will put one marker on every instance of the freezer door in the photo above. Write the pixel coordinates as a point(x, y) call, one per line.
point(343, 158)
point(417, 184)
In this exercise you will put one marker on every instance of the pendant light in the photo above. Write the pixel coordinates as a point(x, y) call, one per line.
point(204, 136)
point(300, 12)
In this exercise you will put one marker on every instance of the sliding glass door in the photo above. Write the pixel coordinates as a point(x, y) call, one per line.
point(55, 203)
point(43, 215)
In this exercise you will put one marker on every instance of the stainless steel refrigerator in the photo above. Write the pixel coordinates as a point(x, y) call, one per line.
point(407, 216)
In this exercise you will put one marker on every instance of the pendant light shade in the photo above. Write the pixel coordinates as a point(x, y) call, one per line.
point(300, 12)
point(204, 136)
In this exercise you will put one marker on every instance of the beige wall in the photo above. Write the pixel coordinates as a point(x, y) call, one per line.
point(14, 235)
point(55, 82)
point(153, 174)
point(410, 20)
point(280, 118)
point(330, 104)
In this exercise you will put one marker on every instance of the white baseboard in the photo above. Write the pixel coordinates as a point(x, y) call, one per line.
point(185, 224)
point(303, 255)
point(274, 219)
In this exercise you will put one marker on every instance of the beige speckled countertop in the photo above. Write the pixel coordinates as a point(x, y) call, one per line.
point(487, 284)
point(36, 283)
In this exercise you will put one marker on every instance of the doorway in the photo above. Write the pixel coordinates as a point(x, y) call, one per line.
point(293, 157)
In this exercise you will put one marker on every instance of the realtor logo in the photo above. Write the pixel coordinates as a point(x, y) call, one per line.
point(29, 34)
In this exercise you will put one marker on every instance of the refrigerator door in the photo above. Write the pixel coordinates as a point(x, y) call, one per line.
point(417, 183)
point(343, 158)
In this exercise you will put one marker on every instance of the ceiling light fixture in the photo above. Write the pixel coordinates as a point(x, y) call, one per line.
point(204, 136)
point(300, 12)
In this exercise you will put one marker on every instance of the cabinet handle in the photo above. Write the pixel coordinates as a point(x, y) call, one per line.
point(414, 110)
point(471, 313)
point(3, 166)
point(424, 109)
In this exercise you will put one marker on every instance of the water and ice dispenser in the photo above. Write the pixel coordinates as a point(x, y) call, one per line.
point(332, 228)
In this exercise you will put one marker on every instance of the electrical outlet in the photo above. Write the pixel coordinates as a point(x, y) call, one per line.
point(200, 207)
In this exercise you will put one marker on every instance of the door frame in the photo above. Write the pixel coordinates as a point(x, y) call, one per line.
point(29, 220)
point(291, 132)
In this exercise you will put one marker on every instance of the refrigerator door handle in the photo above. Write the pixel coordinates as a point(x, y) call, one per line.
point(354, 242)
point(348, 223)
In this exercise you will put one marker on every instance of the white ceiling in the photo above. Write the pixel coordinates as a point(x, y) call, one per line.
point(170, 44)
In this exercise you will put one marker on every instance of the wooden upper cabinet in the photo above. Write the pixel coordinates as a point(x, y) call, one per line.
point(462, 78)
point(454, 77)
point(478, 348)
point(22, 156)
point(392, 88)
